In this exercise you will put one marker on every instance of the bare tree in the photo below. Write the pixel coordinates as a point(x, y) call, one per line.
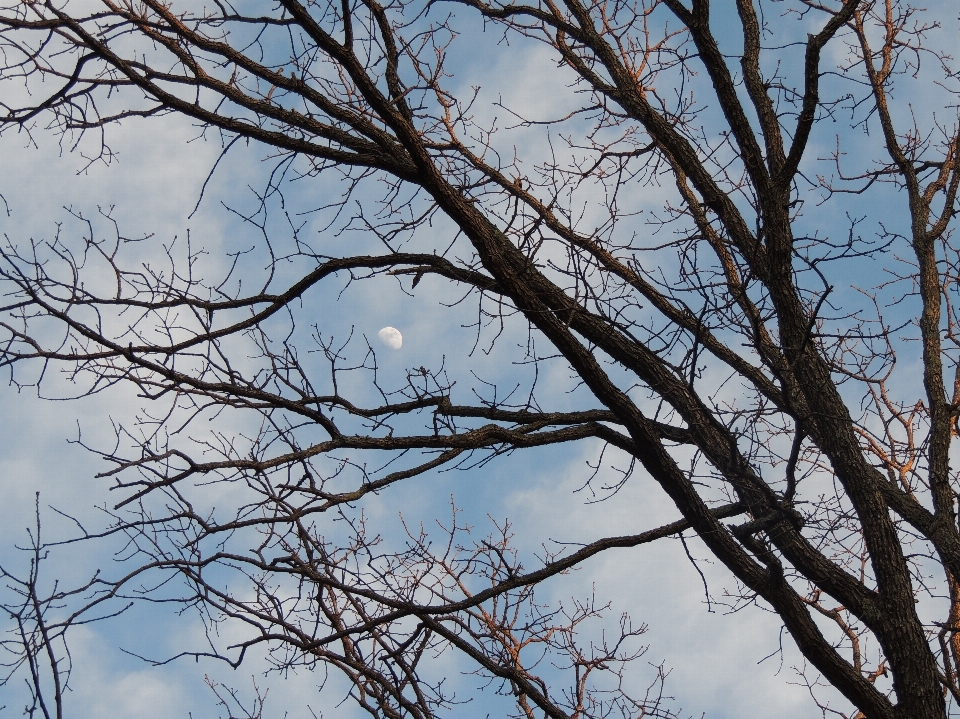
point(738, 343)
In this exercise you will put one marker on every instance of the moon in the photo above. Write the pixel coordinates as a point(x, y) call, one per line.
point(391, 337)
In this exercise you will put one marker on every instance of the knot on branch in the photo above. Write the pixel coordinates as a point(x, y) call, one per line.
point(781, 513)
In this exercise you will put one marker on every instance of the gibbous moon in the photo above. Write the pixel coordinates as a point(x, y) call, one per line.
point(391, 337)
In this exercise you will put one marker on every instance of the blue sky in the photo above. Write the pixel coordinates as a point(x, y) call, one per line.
point(152, 188)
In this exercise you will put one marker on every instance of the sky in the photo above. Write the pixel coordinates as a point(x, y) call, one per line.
point(721, 663)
